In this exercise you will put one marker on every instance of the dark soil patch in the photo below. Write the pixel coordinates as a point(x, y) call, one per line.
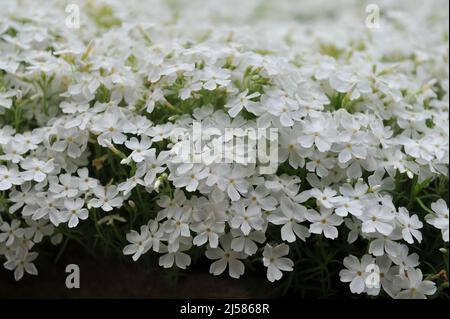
point(118, 278)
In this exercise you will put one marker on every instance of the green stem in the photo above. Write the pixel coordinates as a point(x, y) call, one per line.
point(425, 207)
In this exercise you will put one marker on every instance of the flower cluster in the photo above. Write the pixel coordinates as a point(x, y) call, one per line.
point(91, 121)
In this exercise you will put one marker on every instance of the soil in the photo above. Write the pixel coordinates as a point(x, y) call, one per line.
point(116, 278)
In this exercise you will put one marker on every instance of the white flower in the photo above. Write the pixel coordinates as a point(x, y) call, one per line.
point(155, 235)
point(319, 131)
point(321, 163)
point(350, 202)
point(6, 99)
point(378, 219)
point(275, 261)
point(171, 206)
point(351, 146)
point(37, 230)
point(9, 176)
point(106, 198)
point(48, 207)
point(139, 243)
point(226, 257)
point(245, 219)
point(259, 199)
point(22, 263)
point(86, 87)
point(64, 186)
point(178, 226)
point(190, 87)
point(243, 101)
point(409, 225)
point(354, 226)
point(6, 134)
point(414, 287)
point(13, 152)
point(109, 128)
point(208, 232)
point(346, 82)
point(140, 149)
point(246, 243)
point(73, 107)
point(387, 274)
point(324, 222)
point(385, 244)
point(356, 273)
point(155, 96)
point(85, 182)
point(292, 214)
point(234, 181)
point(326, 198)
point(127, 186)
point(214, 77)
point(179, 258)
point(192, 178)
point(71, 140)
point(284, 107)
point(404, 260)
point(36, 170)
point(292, 151)
point(122, 88)
point(440, 220)
point(74, 211)
point(11, 232)
point(160, 132)
point(30, 139)
point(151, 167)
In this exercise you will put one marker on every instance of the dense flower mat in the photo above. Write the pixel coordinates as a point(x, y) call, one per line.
point(91, 119)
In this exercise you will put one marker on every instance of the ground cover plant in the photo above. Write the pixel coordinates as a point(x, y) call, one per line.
point(331, 120)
